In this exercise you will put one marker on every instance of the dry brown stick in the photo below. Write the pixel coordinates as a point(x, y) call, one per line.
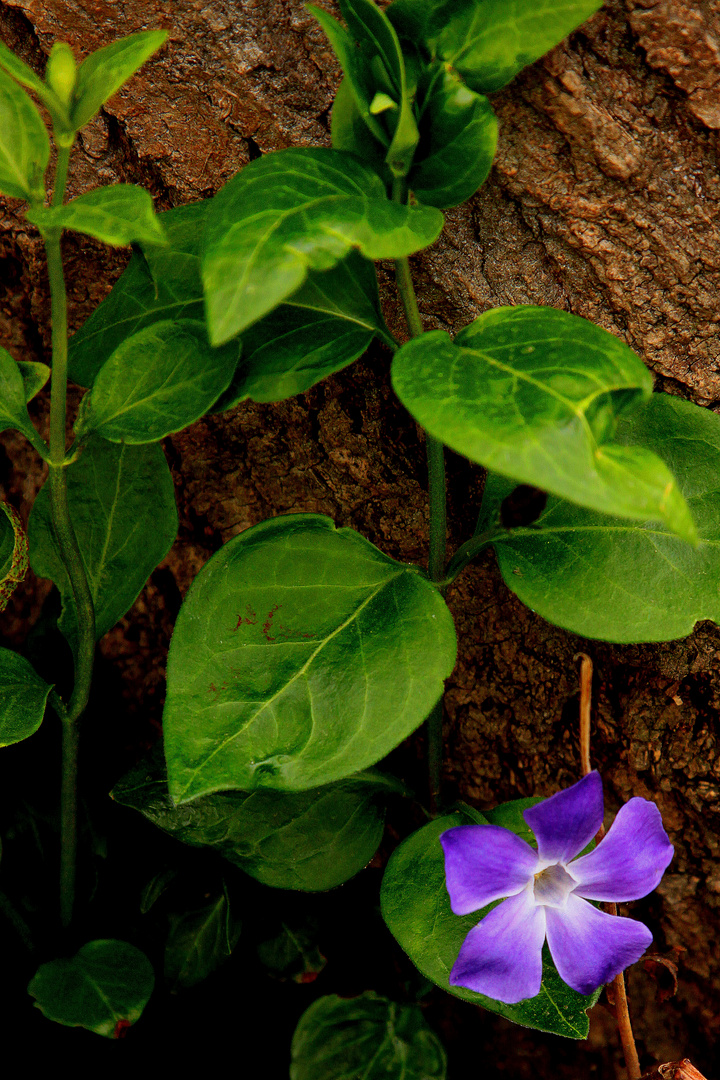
point(622, 1013)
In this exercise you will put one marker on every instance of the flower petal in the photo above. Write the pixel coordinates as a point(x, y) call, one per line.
point(502, 956)
point(628, 862)
point(589, 947)
point(485, 863)
point(565, 823)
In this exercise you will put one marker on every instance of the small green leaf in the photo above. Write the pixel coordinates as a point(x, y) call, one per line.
point(291, 212)
point(118, 215)
point(617, 580)
point(23, 696)
point(320, 329)
point(24, 144)
point(199, 942)
point(20, 71)
point(293, 953)
point(103, 988)
point(103, 72)
point(13, 398)
point(458, 139)
point(309, 840)
point(13, 552)
point(122, 504)
point(351, 134)
point(301, 655)
point(534, 393)
point(416, 907)
point(489, 41)
point(365, 1038)
point(159, 284)
point(34, 377)
point(157, 382)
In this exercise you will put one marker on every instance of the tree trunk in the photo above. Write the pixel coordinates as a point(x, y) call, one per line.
point(603, 201)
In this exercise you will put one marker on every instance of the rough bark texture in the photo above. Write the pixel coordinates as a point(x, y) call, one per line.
point(603, 201)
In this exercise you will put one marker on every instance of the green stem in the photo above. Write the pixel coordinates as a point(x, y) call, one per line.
point(468, 551)
point(70, 555)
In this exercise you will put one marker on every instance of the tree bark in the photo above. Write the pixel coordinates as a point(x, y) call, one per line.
point(603, 201)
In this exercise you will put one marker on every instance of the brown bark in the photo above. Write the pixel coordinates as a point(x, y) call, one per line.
point(603, 201)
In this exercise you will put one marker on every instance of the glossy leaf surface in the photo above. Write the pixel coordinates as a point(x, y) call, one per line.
point(291, 212)
point(103, 988)
point(301, 655)
point(158, 381)
point(534, 393)
point(103, 72)
point(365, 1038)
point(199, 942)
point(489, 41)
point(308, 840)
point(622, 581)
point(118, 215)
point(320, 329)
point(327, 324)
point(24, 144)
point(23, 696)
point(459, 136)
point(416, 907)
point(122, 504)
point(13, 398)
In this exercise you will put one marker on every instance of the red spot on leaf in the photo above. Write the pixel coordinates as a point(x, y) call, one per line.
point(268, 623)
point(121, 1029)
point(248, 619)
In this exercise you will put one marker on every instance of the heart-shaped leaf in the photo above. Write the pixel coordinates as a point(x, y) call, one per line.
point(103, 72)
point(158, 381)
point(489, 41)
point(301, 655)
point(120, 214)
point(103, 988)
point(291, 212)
point(416, 907)
point(23, 696)
point(200, 941)
point(24, 144)
point(122, 504)
point(13, 398)
point(534, 393)
point(458, 131)
point(365, 1038)
point(307, 840)
point(614, 579)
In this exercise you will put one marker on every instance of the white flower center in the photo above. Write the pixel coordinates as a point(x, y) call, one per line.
point(553, 886)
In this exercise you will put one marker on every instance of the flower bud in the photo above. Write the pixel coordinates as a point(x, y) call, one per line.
point(60, 72)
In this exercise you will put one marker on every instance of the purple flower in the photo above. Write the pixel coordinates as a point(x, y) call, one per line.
point(548, 892)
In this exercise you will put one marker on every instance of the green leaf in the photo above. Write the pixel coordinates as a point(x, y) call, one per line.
point(608, 578)
point(13, 552)
point(122, 504)
point(7, 542)
point(365, 1038)
point(24, 144)
point(534, 394)
point(34, 377)
point(489, 41)
point(199, 942)
point(103, 72)
point(291, 212)
point(416, 907)
point(103, 988)
point(159, 284)
point(23, 696)
point(158, 381)
point(301, 655)
point(25, 75)
point(308, 840)
point(351, 134)
point(323, 327)
point(458, 140)
point(293, 953)
point(13, 397)
point(118, 215)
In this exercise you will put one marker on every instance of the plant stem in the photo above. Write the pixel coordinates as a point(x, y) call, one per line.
point(622, 1012)
point(70, 555)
